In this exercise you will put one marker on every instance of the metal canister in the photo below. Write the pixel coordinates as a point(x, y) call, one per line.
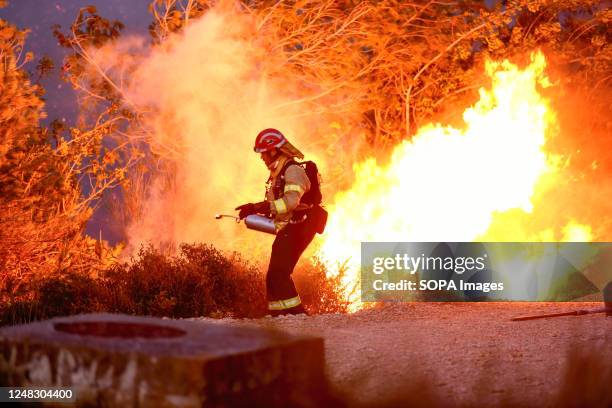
point(260, 223)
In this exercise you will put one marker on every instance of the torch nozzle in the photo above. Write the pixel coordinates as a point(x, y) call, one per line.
point(219, 216)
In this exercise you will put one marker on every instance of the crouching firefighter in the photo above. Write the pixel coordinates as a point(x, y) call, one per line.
point(293, 201)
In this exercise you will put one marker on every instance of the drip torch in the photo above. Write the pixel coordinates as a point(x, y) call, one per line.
point(254, 222)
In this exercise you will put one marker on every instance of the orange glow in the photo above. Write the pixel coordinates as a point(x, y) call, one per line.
point(575, 232)
point(448, 184)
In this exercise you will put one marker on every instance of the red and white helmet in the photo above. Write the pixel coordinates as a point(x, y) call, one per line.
point(268, 139)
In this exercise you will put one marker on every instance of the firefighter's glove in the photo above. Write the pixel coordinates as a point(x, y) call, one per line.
point(259, 208)
point(262, 207)
point(245, 210)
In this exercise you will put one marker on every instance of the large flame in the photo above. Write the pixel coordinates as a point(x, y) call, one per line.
point(448, 184)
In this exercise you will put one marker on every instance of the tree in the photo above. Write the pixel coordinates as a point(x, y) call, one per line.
point(376, 69)
point(43, 207)
point(398, 62)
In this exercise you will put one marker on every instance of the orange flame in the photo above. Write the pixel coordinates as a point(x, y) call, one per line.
point(448, 184)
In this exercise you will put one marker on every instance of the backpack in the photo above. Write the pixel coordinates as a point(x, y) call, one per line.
point(312, 196)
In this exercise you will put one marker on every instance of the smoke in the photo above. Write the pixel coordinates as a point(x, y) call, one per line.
point(208, 100)
point(204, 95)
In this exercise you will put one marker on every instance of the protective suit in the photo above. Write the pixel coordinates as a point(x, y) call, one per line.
point(285, 190)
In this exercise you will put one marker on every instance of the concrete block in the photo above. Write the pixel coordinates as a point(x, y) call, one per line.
point(126, 361)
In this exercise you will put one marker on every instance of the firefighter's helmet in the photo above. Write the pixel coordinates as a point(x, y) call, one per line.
point(268, 139)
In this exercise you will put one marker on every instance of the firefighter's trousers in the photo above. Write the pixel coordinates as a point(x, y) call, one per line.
point(287, 248)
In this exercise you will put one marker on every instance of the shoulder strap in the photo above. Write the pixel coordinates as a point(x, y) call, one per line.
point(279, 185)
point(288, 163)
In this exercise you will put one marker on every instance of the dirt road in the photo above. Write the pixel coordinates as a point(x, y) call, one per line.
point(460, 354)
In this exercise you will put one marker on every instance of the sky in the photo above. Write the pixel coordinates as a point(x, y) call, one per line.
point(39, 16)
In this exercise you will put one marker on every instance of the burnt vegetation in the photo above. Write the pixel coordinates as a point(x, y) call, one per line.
point(399, 64)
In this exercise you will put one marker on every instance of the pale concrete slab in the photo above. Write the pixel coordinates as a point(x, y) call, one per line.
point(122, 361)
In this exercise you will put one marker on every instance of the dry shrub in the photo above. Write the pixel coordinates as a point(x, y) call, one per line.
point(54, 295)
point(319, 293)
point(199, 281)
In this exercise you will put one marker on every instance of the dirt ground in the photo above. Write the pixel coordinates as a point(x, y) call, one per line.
point(458, 354)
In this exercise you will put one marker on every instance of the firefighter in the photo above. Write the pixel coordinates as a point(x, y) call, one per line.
point(288, 201)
